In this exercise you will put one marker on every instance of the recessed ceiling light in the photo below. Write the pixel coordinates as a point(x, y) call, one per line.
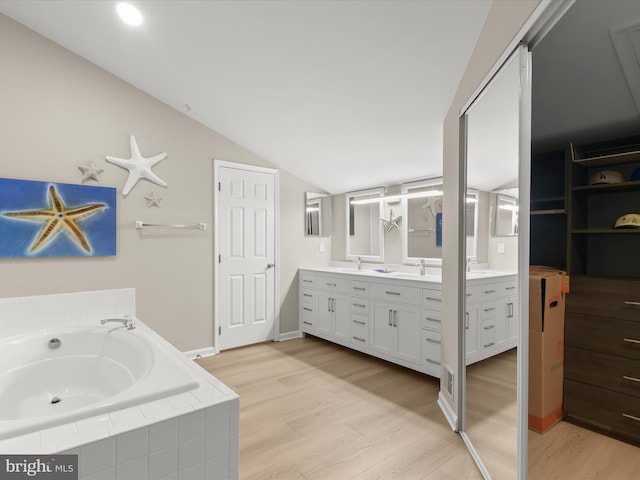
point(129, 14)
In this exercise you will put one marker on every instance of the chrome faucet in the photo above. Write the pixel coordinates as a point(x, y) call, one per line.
point(358, 262)
point(422, 264)
point(127, 321)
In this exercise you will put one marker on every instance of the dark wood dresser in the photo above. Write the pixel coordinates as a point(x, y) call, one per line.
point(602, 356)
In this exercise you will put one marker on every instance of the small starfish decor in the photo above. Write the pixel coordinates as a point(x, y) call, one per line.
point(138, 166)
point(392, 222)
point(90, 172)
point(152, 200)
point(57, 219)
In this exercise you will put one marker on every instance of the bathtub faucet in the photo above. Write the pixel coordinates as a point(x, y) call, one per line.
point(127, 321)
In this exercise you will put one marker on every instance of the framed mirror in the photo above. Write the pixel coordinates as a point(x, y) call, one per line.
point(422, 230)
point(505, 216)
point(363, 229)
point(317, 214)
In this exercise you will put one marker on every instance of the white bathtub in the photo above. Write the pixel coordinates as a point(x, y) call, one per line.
point(95, 370)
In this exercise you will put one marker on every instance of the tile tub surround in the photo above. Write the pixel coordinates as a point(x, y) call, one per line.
point(188, 436)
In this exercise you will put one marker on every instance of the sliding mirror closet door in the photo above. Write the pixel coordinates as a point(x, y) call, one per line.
point(496, 129)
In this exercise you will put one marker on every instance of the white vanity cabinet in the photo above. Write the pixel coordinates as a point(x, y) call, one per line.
point(491, 325)
point(399, 319)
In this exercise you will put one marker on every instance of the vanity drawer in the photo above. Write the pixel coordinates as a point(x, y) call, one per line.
point(473, 293)
point(360, 305)
point(359, 330)
point(432, 298)
point(359, 288)
point(431, 348)
point(504, 289)
point(307, 280)
point(432, 319)
point(605, 335)
point(395, 293)
point(607, 371)
point(488, 334)
point(307, 316)
point(308, 296)
point(488, 310)
point(335, 284)
point(488, 291)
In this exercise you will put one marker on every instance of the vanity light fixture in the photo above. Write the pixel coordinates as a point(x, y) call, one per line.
point(513, 208)
point(313, 209)
point(129, 14)
point(400, 196)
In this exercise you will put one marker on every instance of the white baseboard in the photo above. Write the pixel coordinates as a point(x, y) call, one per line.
point(290, 335)
point(449, 414)
point(200, 353)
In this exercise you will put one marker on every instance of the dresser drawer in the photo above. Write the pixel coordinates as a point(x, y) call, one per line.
point(606, 297)
point(604, 335)
point(488, 291)
point(395, 293)
point(608, 412)
point(601, 370)
point(432, 299)
point(307, 316)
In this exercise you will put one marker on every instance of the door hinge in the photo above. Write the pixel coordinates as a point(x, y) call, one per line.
point(219, 330)
point(219, 258)
point(219, 186)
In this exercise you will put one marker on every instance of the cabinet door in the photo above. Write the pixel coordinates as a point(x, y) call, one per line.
point(341, 316)
point(325, 315)
point(384, 334)
point(471, 331)
point(408, 324)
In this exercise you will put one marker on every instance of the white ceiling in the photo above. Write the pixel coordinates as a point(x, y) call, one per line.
point(344, 94)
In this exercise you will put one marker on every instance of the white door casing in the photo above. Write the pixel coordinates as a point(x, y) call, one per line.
point(245, 297)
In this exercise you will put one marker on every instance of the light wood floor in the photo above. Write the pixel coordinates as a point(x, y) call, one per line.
point(313, 410)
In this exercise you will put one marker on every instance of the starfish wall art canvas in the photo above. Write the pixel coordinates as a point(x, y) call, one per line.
point(45, 219)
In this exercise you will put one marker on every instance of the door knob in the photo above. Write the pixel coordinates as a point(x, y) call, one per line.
point(270, 265)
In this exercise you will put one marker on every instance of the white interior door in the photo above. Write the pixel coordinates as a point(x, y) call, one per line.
point(245, 217)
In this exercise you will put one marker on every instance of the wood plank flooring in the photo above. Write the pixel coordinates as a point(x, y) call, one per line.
point(312, 410)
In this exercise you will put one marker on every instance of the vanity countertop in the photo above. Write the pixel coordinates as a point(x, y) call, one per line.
point(402, 275)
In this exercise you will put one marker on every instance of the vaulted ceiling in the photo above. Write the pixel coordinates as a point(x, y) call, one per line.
point(344, 94)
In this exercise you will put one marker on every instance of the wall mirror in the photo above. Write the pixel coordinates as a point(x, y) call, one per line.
point(422, 230)
point(363, 229)
point(492, 129)
point(505, 216)
point(317, 214)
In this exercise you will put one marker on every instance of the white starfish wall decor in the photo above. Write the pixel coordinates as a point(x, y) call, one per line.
point(138, 166)
point(90, 172)
point(152, 200)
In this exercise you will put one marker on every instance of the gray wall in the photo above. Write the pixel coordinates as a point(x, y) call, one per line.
point(60, 111)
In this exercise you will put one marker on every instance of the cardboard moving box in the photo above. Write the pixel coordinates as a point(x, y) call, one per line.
point(547, 290)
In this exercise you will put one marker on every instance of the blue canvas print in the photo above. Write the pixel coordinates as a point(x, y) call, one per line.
point(43, 219)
